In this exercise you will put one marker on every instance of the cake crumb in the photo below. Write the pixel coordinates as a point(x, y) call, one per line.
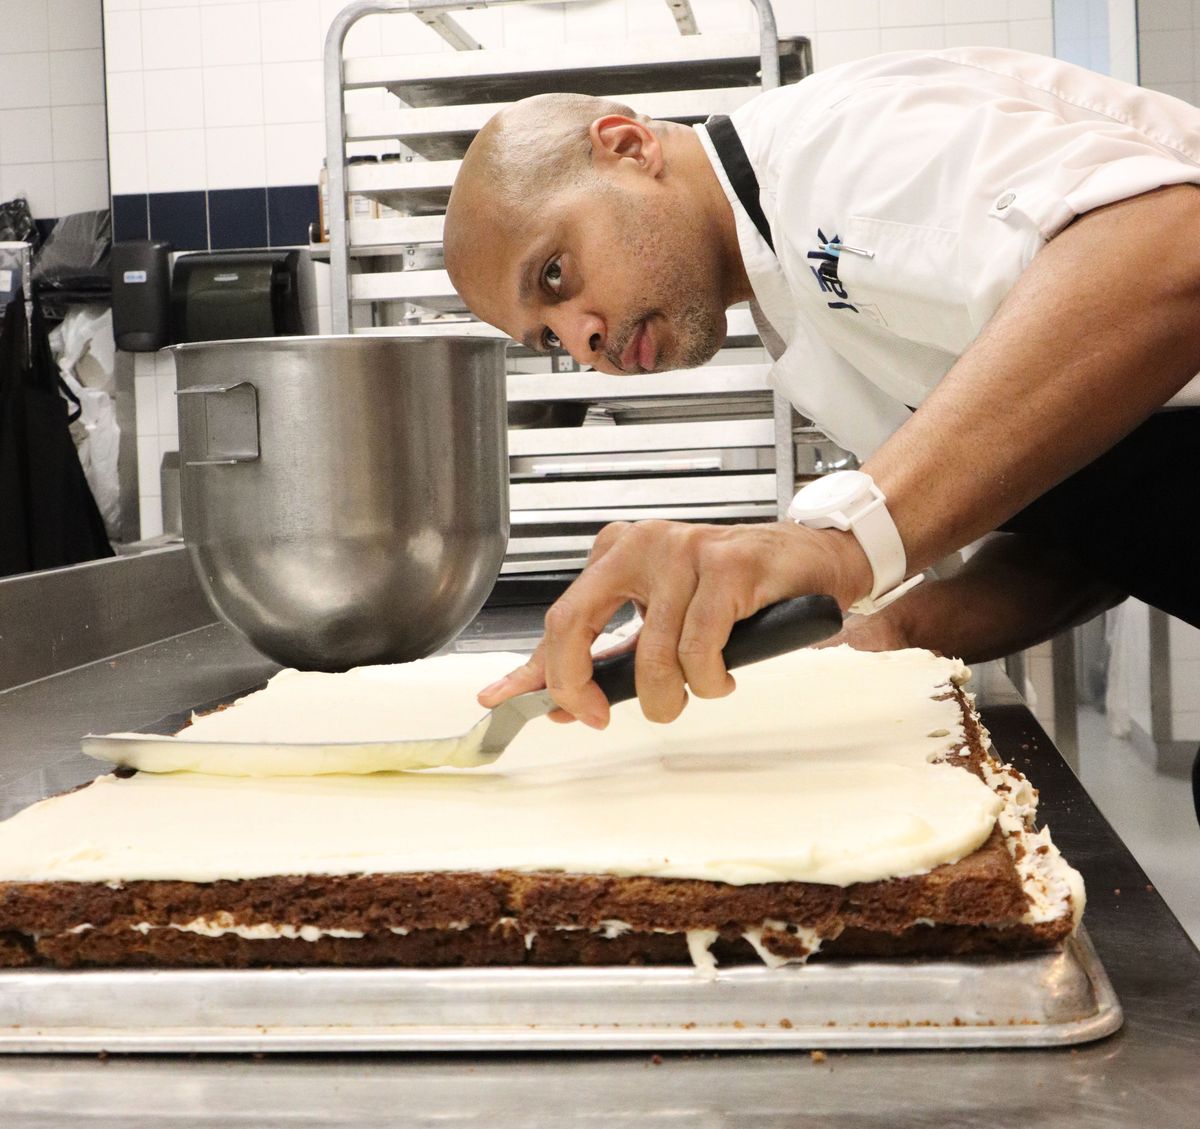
point(738, 1024)
point(656, 1060)
point(1149, 887)
point(818, 1056)
point(103, 1056)
point(786, 1024)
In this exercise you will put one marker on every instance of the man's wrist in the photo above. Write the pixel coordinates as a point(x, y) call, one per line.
point(846, 571)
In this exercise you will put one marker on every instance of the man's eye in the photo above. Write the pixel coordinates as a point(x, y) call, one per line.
point(552, 276)
point(550, 340)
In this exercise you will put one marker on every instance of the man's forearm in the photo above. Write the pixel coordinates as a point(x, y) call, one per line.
point(1013, 593)
point(1102, 329)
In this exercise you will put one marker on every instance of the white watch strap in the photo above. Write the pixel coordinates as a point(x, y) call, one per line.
point(867, 517)
point(876, 532)
point(880, 540)
point(869, 604)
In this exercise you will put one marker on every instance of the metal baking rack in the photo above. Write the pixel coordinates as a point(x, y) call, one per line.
point(712, 444)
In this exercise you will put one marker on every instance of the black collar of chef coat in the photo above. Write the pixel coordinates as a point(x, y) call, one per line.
point(732, 155)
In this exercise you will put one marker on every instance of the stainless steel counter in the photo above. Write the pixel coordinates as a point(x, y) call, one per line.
point(1148, 1073)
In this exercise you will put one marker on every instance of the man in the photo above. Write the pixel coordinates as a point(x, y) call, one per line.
point(977, 269)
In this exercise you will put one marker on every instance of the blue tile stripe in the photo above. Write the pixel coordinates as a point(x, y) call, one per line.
point(241, 218)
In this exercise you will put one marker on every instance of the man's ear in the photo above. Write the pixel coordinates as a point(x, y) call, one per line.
point(616, 138)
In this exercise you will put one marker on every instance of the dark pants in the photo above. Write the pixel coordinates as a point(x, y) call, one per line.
point(1132, 518)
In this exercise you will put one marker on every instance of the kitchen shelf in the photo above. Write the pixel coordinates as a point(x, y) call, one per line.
point(506, 75)
point(713, 443)
point(439, 133)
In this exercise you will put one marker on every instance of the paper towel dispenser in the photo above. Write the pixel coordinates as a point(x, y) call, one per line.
point(223, 296)
point(140, 270)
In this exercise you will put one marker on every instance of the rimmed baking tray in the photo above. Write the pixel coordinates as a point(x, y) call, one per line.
point(1040, 999)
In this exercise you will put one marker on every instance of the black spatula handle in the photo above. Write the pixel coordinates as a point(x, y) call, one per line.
point(773, 630)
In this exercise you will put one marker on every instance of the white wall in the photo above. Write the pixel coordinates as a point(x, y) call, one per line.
point(220, 95)
point(1081, 33)
point(1169, 47)
point(52, 132)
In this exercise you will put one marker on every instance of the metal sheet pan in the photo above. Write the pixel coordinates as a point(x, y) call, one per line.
point(1043, 999)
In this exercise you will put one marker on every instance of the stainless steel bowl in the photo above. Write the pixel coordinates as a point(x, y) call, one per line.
point(344, 499)
point(524, 414)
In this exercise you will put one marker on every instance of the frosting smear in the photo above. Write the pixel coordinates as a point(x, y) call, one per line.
point(820, 767)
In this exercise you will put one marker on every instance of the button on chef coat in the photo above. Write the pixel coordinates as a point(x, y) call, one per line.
point(939, 175)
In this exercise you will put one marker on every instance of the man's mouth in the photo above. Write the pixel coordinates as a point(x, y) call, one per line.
point(641, 352)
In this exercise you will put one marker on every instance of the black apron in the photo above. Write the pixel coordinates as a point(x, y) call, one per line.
point(48, 517)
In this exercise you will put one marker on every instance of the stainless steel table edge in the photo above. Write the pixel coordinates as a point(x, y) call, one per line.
point(727, 1035)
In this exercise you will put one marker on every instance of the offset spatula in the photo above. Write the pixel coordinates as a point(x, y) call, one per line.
point(775, 630)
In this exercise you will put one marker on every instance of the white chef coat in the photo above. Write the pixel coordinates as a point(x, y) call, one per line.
point(951, 168)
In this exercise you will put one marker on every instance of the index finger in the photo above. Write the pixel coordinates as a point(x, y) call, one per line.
point(523, 680)
point(572, 624)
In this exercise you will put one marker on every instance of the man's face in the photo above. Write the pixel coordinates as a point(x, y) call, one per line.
point(613, 274)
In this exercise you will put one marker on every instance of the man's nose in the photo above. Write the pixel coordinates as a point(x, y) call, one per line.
point(582, 335)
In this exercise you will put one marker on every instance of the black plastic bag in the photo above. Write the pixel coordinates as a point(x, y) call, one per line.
point(75, 254)
point(48, 517)
point(16, 223)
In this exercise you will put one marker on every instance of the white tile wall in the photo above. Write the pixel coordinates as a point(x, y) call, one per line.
point(290, 30)
point(280, 42)
point(175, 162)
point(1122, 40)
point(1168, 43)
point(77, 134)
point(76, 184)
point(236, 155)
point(52, 125)
point(171, 38)
point(230, 34)
point(73, 24)
point(233, 95)
point(77, 77)
point(158, 431)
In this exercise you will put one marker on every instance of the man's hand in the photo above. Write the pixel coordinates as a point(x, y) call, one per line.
point(883, 631)
point(692, 583)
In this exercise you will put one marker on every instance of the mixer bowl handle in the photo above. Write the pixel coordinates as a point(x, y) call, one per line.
point(230, 423)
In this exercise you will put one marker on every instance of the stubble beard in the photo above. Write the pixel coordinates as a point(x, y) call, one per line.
point(697, 329)
point(678, 282)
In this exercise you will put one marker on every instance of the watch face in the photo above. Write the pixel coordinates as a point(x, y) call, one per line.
point(828, 494)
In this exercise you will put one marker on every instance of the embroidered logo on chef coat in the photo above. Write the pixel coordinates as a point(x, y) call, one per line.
point(826, 272)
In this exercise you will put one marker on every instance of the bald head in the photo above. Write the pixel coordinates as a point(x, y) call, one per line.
point(524, 156)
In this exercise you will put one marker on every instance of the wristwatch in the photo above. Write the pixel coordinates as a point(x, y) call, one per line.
point(850, 500)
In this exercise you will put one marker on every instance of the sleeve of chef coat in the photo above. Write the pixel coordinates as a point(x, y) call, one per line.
point(953, 182)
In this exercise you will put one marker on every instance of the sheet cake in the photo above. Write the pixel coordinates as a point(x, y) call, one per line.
point(839, 803)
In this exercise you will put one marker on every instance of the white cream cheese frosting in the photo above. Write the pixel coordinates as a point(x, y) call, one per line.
point(818, 768)
point(306, 723)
